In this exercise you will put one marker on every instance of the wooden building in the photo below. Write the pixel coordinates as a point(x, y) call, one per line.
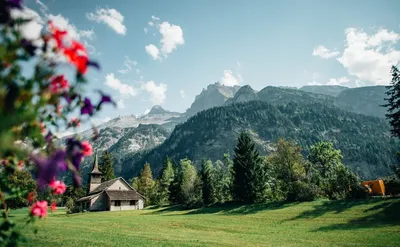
point(113, 195)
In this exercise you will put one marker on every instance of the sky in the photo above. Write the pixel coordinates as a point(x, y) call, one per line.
point(165, 52)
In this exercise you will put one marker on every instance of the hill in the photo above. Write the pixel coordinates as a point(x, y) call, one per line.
point(365, 141)
point(323, 89)
point(320, 223)
point(363, 100)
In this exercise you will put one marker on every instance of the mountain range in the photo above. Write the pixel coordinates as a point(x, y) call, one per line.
point(352, 118)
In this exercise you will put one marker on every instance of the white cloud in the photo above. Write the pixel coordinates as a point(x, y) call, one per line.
point(239, 69)
point(138, 71)
point(158, 93)
point(153, 51)
point(155, 18)
point(322, 51)
point(116, 84)
point(172, 36)
point(182, 93)
point(314, 83)
point(121, 104)
point(63, 23)
point(337, 81)
point(128, 66)
point(88, 34)
point(110, 17)
point(228, 79)
point(145, 30)
point(32, 29)
point(150, 23)
point(370, 57)
point(42, 7)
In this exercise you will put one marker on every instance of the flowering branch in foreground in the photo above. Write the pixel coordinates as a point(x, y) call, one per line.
point(32, 107)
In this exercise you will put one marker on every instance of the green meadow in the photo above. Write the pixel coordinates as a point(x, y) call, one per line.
point(374, 222)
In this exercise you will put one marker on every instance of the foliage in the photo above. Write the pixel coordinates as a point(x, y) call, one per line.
point(33, 105)
point(145, 183)
point(289, 168)
point(249, 177)
point(393, 102)
point(22, 180)
point(106, 166)
point(208, 179)
point(165, 182)
point(190, 185)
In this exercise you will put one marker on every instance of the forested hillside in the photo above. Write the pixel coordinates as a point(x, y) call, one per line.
point(364, 141)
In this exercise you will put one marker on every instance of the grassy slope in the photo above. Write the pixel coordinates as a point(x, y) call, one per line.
point(322, 223)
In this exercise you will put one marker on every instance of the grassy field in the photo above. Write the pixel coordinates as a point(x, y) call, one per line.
point(322, 223)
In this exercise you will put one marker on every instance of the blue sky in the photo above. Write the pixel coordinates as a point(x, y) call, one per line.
point(260, 43)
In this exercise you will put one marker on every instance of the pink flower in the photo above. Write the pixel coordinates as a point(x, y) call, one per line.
point(59, 109)
point(87, 149)
point(58, 84)
point(42, 127)
point(75, 122)
point(39, 209)
point(53, 206)
point(58, 187)
point(20, 165)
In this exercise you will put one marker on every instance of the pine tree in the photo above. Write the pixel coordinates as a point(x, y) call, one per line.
point(106, 166)
point(208, 182)
point(246, 164)
point(145, 182)
point(165, 181)
point(393, 102)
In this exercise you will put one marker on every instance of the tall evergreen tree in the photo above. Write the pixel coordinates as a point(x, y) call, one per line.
point(208, 182)
point(106, 166)
point(165, 182)
point(145, 182)
point(246, 164)
point(393, 105)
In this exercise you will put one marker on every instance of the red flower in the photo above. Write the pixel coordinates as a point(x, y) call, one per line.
point(53, 206)
point(58, 187)
point(87, 149)
point(31, 196)
point(39, 209)
point(59, 84)
point(57, 34)
point(77, 55)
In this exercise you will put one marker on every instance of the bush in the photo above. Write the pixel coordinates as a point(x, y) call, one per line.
point(72, 207)
point(358, 191)
point(303, 191)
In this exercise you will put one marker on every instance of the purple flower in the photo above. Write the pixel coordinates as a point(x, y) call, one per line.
point(49, 167)
point(49, 136)
point(87, 107)
point(17, 4)
point(93, 64)
point(74, 150)
point(104, 99)
point(28, 46)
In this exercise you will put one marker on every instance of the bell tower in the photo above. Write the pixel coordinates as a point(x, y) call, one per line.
point(94, 176)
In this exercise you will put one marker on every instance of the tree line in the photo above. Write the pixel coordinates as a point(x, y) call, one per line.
point(285, 174)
